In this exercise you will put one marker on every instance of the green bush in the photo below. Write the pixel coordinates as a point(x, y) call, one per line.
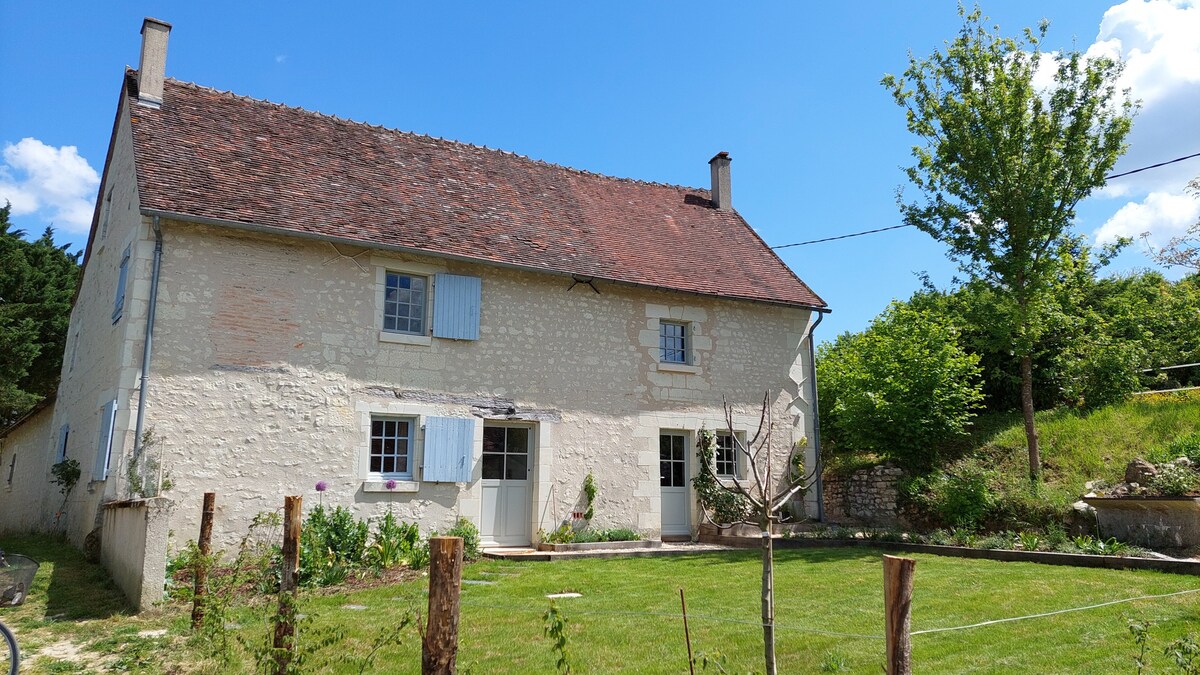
point(470, 536)
point(1184, 446)
point(331, 543)
point(615, 534)
point(959, 497)
point(1174, 480)
point(393, 543)
point(901, 389)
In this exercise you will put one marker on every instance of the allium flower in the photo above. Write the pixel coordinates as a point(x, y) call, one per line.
point(322, 486)
point(391, 485)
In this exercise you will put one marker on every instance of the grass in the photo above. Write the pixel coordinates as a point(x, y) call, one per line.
point(628, 617)
point(1078, 447)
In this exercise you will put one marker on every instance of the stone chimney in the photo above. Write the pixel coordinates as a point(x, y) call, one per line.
point(153, 66)
point(720, 181)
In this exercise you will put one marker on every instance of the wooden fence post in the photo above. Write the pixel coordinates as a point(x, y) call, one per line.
point(200, 594)
point(897, 604)
point(439, 646)
point(285, 624)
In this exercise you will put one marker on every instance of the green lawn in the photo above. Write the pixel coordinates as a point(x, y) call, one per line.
point(628, 617)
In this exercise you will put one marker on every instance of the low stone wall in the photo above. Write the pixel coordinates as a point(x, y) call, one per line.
point(867, 496)
point(1156, 522)
point(133, 548)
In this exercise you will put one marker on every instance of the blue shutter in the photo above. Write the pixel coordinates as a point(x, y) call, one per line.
point(119, 300)
point(108, 416)
point(63, 433)
point(448, 444)
point(456, 307)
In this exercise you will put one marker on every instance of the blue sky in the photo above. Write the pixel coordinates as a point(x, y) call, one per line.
point(643, 90)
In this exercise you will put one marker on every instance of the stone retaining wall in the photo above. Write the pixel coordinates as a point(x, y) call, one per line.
point(867, 496)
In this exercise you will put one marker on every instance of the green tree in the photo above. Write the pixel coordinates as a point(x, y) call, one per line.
point(900, 389)
point(1002, 164)
point(37, 285)
point(1184, 250)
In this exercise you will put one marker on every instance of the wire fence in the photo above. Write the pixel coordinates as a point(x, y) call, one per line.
point(817, 631)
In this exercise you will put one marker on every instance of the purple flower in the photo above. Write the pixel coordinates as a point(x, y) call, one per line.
point(391, 485)
point(322, 486)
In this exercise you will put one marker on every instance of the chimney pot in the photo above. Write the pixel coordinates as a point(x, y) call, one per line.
point(152, 68)
point(719, 165)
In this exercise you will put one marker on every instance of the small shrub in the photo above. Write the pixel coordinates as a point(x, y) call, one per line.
point(1029, 541)
point(998, 542)
point(393, 543)
point(835, 662)
point(470, 536)
point(1175, 480)
point(1184, 446)
point(960, 498)
point(331, 544)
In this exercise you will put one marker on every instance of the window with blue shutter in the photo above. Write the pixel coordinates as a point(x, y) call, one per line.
point(448, 444)
point(108, 415)
point(456, 305)
point(119, 300)
point(64, 432)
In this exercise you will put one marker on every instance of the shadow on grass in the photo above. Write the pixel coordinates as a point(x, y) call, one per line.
point(67, 587)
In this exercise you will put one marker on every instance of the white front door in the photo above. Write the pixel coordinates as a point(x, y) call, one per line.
point(507, 462)
point(672, 473)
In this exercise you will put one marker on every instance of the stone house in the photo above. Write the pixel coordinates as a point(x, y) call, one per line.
point(273, 297)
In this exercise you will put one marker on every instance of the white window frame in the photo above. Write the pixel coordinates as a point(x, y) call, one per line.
point(427, 282)
point(410, 455)
point(104, 440)
point(383, 267)
point(106, 214)
point(737, 456)
point(684, 344)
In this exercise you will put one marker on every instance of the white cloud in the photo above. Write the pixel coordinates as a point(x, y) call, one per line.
point(57, 184)
point(1158, 41)
point(1162, 214)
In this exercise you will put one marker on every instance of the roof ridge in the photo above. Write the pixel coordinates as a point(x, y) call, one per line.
point(440, 139)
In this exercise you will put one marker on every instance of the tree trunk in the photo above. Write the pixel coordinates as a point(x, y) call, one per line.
point(1031, 437)
point(768, 598)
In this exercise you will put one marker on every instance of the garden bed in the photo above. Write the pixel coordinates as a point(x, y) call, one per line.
point(1042, 557)
point(600, 545)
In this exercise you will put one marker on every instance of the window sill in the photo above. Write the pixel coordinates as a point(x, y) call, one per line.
point(402, 485)
point(405, 338)
point(677, 368)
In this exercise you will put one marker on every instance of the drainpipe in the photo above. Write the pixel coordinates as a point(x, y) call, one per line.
point(812, 378)
point(147, 343)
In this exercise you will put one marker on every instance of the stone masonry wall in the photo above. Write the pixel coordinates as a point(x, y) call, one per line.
point(867, 496)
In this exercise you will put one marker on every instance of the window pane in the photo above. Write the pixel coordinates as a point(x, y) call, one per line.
point(390, 445)
point(518, 440)
point(677, 474)
point(514, 468)
point(664, 474)
point(677, 448)
point(493, 439)
point(493, 466)
point(664, 447)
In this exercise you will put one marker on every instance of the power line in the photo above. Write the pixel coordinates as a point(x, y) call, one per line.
point(897, 227)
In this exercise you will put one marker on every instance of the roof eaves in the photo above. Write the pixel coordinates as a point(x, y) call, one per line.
point(301, 234)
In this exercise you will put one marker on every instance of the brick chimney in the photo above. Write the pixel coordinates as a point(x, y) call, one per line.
point(153, 66)
point(720, 181)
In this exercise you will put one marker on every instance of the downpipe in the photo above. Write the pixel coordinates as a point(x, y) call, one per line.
point(147, 346)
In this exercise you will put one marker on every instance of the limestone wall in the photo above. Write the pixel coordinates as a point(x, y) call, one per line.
point(269, 361)
point(867, 496)
point(27, 498)
point(134, 548)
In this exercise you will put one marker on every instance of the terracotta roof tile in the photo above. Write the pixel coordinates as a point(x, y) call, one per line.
point(212, 154)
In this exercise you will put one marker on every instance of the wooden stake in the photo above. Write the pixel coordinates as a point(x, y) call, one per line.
point(285, 625)
point(204, 543)
point(439, 646)
point(686, 635)
point(897, 602)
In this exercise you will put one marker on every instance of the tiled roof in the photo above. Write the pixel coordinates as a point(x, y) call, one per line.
point(212, 154)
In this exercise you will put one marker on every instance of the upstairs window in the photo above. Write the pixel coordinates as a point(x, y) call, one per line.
point(404, 303)
point(64, 434)
point(673, 342)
